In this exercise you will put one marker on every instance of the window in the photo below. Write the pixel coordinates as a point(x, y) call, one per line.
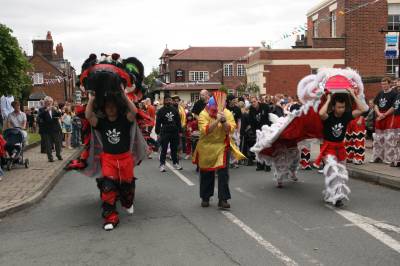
point(241, 70)
point(315, 27)
point(333, 24)
point(194, 96)
point(391, 65)
point(38, 79)
point(394, 22)
point(198, 76)
point(228, 70)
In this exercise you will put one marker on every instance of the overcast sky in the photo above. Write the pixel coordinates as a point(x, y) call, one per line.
point(143, 28)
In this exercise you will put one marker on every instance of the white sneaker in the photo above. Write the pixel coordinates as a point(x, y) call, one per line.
point(187, 157)
point(108, 227)
point(130, 210)
point(162, 168)
point(178, 167)
point(321, 171)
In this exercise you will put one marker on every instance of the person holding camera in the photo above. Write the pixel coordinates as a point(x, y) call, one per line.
point(50, 128)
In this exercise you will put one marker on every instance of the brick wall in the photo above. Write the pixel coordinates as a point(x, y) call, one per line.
point(324, 24)
point(299, 54)
point(364, 43)
point(56, 90)
point(284, 79)
point(329, 43)
point(371, 90)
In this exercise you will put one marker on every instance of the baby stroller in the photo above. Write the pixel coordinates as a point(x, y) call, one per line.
point(14, 138)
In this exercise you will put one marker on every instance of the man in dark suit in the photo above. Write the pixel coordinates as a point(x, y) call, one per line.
point(51, 128)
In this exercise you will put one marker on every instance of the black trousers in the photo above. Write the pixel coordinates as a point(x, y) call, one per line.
point(171, 139)
point(207, 183)
point(50, 140)
point(42, 143)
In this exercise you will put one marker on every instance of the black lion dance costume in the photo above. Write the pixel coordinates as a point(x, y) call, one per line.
point(114, 144)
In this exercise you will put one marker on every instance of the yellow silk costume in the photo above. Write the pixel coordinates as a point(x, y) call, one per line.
point(182, 114)
point(212, 148)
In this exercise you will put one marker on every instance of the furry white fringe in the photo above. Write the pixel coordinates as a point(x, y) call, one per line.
point(285, 163)
point(336, 176)
point(310, 90)
point(386, 145)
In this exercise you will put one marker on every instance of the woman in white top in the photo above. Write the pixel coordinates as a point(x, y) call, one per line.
point(67, 127)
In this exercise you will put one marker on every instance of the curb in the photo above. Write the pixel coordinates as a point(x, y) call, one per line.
point(375, 178)
point(41, 192)
point(32, 145)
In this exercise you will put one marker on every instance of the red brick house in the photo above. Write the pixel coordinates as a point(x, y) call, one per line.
point(52, 75)
point(188, 71)
point(341, 33)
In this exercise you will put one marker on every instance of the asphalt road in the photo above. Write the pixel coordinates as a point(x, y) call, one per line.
point(266, 226)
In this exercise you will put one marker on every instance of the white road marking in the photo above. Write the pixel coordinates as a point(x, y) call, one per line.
point(388, 227)
point(264, 243)
point(247, 194)
point(367, 224)
point(181, 176)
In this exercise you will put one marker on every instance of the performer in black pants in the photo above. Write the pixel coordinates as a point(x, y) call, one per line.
point(169, 130)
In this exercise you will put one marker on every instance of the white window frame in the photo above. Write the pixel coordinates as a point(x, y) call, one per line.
point(34, 104)
point(228, 70)
point(391, 65)
point(199, 76)
point(393, 21)
point(333, 24)
point(38, 78)
point(315, 29)
point(194, 96)
point(241, 70)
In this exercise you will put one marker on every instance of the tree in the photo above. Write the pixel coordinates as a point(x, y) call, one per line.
point(14, 65)
point(150, 79)
point(253, 88)
point(223, 89)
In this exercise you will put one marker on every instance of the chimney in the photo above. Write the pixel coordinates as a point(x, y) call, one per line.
point(48, 36)
point(60, 51)
point(44, 47)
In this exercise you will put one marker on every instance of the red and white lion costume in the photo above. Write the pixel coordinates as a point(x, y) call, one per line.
point(277, 145)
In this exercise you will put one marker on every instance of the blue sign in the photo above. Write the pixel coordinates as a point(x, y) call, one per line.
point(391, 40)
point(391, 54)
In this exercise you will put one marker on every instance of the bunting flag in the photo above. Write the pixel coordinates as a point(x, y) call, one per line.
point(302, 28)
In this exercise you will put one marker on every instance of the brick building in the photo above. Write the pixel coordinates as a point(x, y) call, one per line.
point(341, 33)
point(52, 75)
point(188, 71)
point(279, 71)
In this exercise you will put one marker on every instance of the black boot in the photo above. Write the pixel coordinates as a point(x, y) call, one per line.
point(260, 167)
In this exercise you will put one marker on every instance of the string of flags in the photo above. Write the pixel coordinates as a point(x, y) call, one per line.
point(304, 27)
point(296, 30)
point(46, 81)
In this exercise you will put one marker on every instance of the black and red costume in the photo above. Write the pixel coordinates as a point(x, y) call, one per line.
point(113, 147)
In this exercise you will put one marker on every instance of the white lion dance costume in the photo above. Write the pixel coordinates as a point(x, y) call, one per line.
point(277, 145)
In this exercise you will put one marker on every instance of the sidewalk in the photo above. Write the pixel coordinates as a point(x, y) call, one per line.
point(377, 173)
point(22, 187)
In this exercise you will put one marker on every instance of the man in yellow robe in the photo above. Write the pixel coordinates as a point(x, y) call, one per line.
point(212, 155)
